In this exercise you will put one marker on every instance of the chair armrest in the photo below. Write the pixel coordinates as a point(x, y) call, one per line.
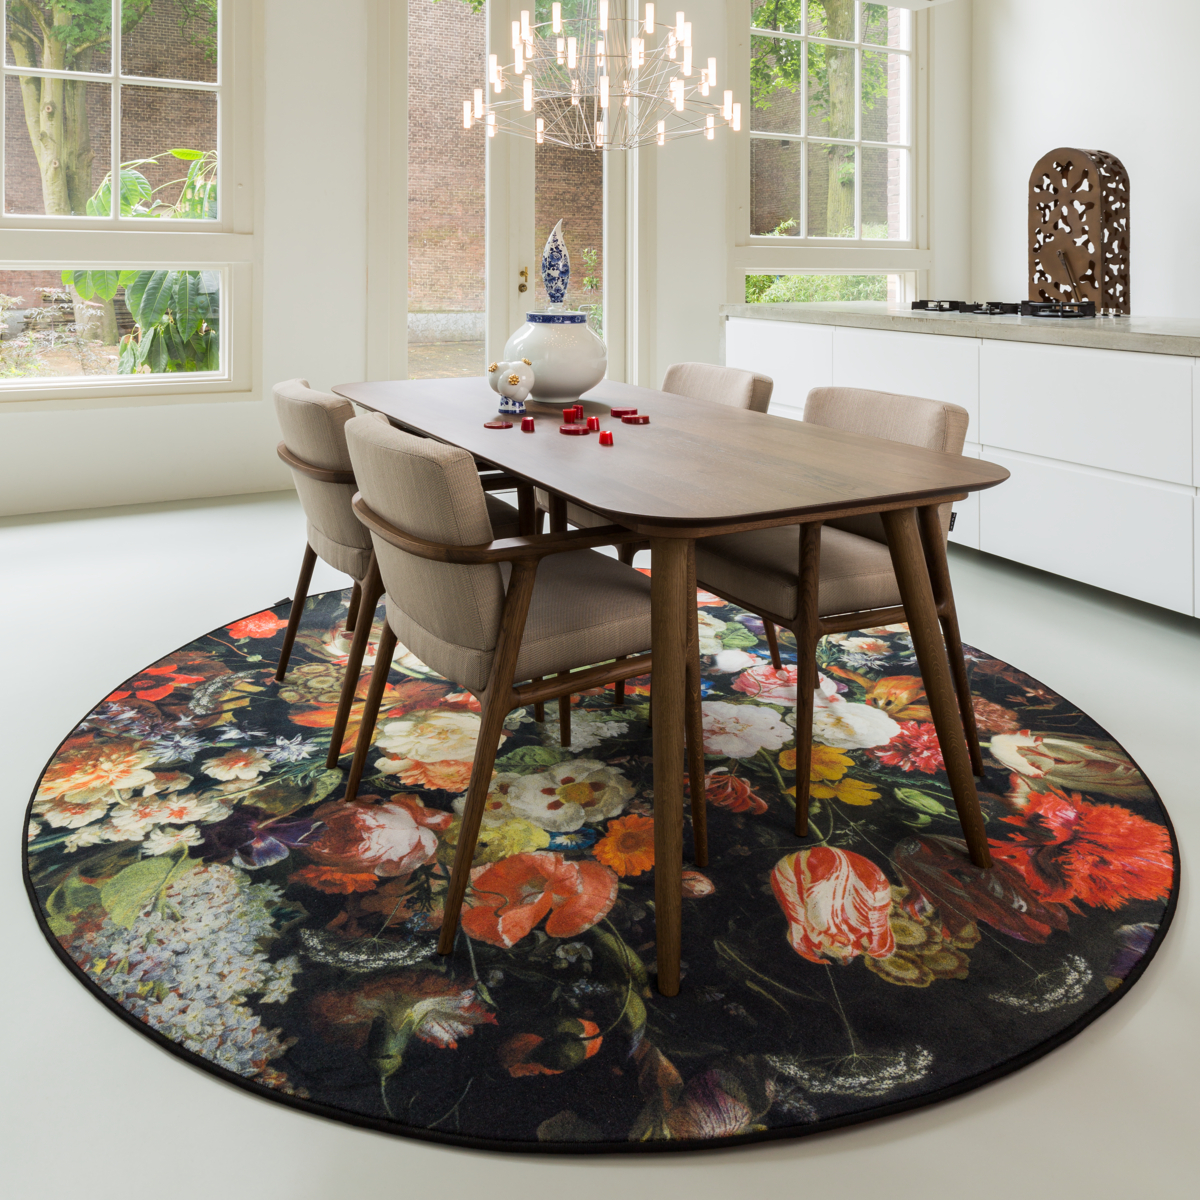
point(313, 472)
point(502, 550)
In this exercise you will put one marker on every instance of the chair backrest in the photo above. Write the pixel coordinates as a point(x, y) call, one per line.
point(913, 420)
point(431, 491)
point(313, 425)
point(719, 385)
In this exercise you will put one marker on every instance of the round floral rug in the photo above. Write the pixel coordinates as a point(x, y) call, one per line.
point(193, 863)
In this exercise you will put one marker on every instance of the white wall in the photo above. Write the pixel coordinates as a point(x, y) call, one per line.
point(1097, 74)
point(309, 297)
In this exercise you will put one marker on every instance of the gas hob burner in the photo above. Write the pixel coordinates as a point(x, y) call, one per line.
point(991, 308)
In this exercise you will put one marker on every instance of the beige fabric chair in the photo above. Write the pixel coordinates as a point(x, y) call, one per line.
point(486, 613)
point(761, 571)
point(314, 448)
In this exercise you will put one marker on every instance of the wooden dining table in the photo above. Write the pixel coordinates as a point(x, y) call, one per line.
point(697, 470)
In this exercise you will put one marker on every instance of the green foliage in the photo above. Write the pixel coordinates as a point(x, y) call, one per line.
point(812, 289)
point(592, 283)
point(142, 884)
point(197, 198)
point(177, 315)
point(477, 6)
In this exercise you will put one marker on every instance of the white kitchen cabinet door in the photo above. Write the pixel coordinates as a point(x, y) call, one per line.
point(1102, 408)
point(797, 357)
point(1107, 530)
point(966, 512)
point(913, 364)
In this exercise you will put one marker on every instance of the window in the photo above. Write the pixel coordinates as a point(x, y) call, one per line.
point(829, 120)
point(97, 281)
point(825, 201)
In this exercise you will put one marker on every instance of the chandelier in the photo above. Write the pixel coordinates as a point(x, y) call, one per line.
point(602, 80)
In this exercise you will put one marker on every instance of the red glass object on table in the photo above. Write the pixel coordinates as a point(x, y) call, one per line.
point(569, 415)
point(574, 430)
point(593, 423)
point(636, 420)
point(497, 424)
point(624, 412)
point(578, 411)
point(606, 437)
point(527, 425)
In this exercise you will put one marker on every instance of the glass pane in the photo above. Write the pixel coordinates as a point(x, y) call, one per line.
point(884, 83)
point(830, 190)
point(775, 187)
point(884, 26)
point(170, 39)
point(820, 289)
point(831, 90)
point(41, 34)
point(56, 324)
point(776, 68)
point(884, 193)
point(447, 46)
point(784, 15)
point(569, 184)
point(832, 19)
point(72, 156)
point(168, 153)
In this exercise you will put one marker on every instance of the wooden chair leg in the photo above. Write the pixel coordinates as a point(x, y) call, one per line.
point(306, 569)
point(539, 709)
point(808, 634)
point(372, 589)
point(352, 612)
point(490, 727)
point(933, 543)
point(564, 721)
point(379, 677)
point(693, 720)
point(626, 553)
point(772, 643)
point(539, 520)
point(526, 509)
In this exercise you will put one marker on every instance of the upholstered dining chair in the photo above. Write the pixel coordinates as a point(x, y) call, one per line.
point(772, 571)
point(490, 614)
point(314, 447)
point(730, 386)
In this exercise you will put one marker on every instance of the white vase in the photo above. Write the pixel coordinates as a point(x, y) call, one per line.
point(567, 357)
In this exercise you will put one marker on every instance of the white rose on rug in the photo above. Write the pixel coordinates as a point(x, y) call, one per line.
point(710, 630)
point(560, 799)
point(838, 722)
point(431, 748)
point(741, 730)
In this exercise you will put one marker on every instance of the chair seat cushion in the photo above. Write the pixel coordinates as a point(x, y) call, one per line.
point(759, 569)
point(586, 608)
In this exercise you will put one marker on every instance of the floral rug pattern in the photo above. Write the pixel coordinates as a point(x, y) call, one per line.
point(194, 862)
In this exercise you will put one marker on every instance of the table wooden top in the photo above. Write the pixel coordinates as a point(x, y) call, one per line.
point(695, 468)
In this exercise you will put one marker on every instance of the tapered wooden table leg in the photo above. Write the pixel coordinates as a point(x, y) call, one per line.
point(916, 594)
point(669, 643)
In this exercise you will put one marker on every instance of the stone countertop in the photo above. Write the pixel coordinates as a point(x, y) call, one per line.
point(1145, 335)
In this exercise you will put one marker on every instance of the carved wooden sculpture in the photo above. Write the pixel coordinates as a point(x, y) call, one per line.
point(1079, 229)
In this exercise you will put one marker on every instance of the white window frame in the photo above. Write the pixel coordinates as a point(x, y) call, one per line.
point(766, 255)
point(227, 245)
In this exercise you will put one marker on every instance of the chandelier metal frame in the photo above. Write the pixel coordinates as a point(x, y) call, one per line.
point(602, 80)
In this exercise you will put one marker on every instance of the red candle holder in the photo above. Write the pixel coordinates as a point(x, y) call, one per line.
point(593, 423)
point(569, 415)
point(624, 412)
point(636, 420)
point(578, 412)
point(606, 437)
point(574, 430)
point(497, 424)
point(527, 425)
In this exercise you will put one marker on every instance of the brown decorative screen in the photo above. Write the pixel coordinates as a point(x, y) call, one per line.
point(1079, 229)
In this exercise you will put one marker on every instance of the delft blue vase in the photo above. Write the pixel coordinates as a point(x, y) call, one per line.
point(556, 266)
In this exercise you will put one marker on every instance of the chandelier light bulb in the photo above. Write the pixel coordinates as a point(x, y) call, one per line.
point(574, 91)
point(570, 54)
point(603, 91)
point(687, 60)
point(672, 44)
point(600, 54)
point(519, 60)
point(466, 114)
point(561, 48)
point(478, 103)
point(679, 23)
point(703, 82)
point(603, 14)
point(541, 125)
point(737, 117)
point(649, 24)
point(516, 34)
point(687, 33)
point(525, 35)
point(599, 133)
point(727, 107)
point(556, 17)
point(712, 72)
point(527, 97)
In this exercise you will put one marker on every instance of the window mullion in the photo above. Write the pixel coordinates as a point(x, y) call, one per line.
point(114, 101)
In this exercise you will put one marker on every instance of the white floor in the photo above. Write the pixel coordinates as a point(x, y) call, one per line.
point(90, 1109)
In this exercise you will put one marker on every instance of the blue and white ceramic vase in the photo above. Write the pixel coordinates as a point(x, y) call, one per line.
point(567, 357)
